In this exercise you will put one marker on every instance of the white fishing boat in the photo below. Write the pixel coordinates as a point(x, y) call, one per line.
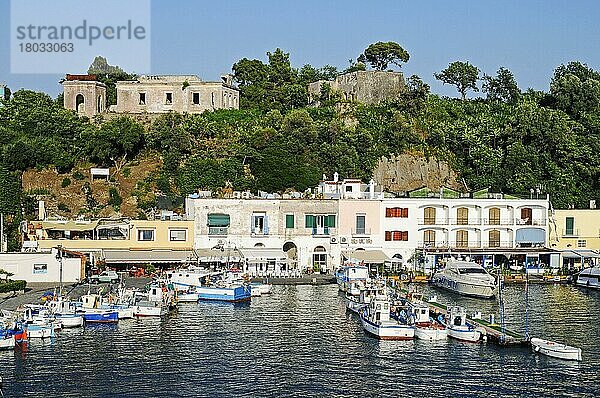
point(40, 331)
point(70, 320)
point(555, 350)
point(375, 319)
point(158, 301)
point(355, 303)
point(183, 279)
point(188, 296)
point(458, 328)
point(259, 289)
point(425, 327)
point(352, 278)
point(467, 278)
point(589, 277)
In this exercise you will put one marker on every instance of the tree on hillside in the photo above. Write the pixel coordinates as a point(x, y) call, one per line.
point(381, 54)
point(117, 141)
point(502, 87)
point(575, 88)
point(463, 75)
point(109, 75)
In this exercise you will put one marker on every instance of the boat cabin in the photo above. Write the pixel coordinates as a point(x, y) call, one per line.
point(91, 300)
point(457, 316)
point(420, 312)
point(379, 309)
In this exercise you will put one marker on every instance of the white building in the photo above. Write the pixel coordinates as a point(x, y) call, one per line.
point(44, 266)
point(349, 220)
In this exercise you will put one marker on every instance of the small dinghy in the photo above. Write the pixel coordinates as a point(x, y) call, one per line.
point(556, 350)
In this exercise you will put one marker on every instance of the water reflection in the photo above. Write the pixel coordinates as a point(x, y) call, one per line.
point(301, 342)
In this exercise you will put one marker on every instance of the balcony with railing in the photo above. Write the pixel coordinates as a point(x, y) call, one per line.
point(361, 232)
point(498, 221)
point(465, 221)
point(508, 244)
point(570, 233)
point(432, 221)
point(321, 231)
point(533, 221)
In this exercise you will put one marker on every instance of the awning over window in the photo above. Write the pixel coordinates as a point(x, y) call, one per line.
point(531, 235)
point(263, 253)
point(149, 256)
point(218, 220)
point(366, 256)
point(578, 254)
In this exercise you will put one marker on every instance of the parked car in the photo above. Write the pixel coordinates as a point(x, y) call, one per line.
point(104, 277)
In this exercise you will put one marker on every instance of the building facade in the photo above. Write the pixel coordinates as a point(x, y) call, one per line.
point(84, 95)
point(367, 87)
point(44, 267)
point(116, 241)
point(183, 94)
point(150, 94)
point(576, 233)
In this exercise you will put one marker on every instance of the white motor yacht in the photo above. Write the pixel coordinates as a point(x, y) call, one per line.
point(467, 278)
point(589, 277)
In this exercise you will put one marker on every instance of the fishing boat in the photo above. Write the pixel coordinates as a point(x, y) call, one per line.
point(589, 277)
point(376, 321)
point(259, 289)
point(351, 278)
point(97, 315)
point(65, 312)
point(555, 350)
point(357, 303)
point(157, 301)
point(458, 328)
point(467, 278)
point(40, 331)
point(69, 320)
point(183, 279)
point(426, 328)
point(230, 293)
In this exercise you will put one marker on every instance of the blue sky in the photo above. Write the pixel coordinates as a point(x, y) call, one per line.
point(531, 38)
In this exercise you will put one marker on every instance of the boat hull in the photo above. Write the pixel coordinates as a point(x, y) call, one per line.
point(431, 333)
point(7, 343)
point(556, 350)
point(388, 330)
point(187, 297)
point(101, 317)
point(40, 332)
point(467, 335)
point(463, 288)
point(70, 320)
point(146, 311)
point(232, 294)
point(354, 305)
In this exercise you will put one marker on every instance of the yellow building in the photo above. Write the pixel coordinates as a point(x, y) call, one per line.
point(576, 232)
point(116, 242)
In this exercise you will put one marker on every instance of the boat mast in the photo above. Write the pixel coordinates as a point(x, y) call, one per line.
point(501, 303)
point(527, 305)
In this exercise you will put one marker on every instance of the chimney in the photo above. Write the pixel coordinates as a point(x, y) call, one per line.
point(592, 203)
point(372, 189)
point(336, 177)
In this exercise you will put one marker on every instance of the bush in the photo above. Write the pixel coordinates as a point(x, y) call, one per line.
point(12, 286)
point(126, 172)
point(78, 176)
point(65, 182)
point(64, 207)
point(114, 199)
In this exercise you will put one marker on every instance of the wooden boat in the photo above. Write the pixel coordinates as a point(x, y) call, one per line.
point(555, 350)
point(100, 316)
point(70, 320)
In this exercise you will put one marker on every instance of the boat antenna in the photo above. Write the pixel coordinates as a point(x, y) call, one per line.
point(527, 337)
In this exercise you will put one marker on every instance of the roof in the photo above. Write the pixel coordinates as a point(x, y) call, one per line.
point(577, 254)
point(148, 256)
point(367, 256)
point(69, 225)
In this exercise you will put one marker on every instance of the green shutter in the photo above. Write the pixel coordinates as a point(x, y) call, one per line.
point(289, 221)
point(330, 221)
point(309, 221)
point(218, 220)
point(569, 221)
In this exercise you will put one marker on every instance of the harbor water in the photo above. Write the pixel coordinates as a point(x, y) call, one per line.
point(300, 341)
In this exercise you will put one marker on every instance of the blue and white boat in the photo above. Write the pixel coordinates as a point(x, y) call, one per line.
point(100, 316)
point(231, 293)
point(40, 331)
point(376, 321)
point(458, 328)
